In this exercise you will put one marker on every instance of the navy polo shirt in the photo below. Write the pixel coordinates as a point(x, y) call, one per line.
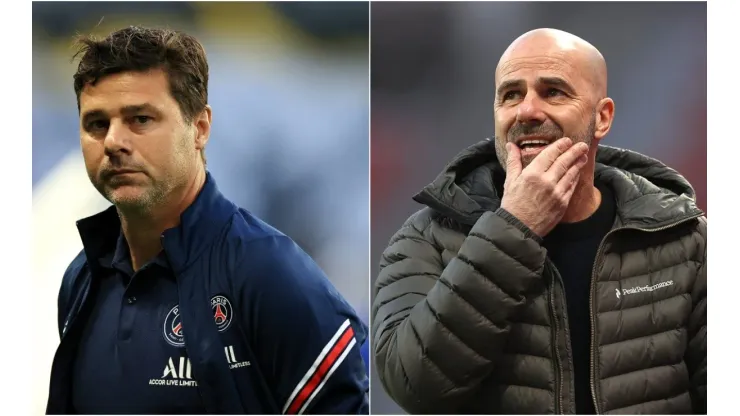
point(131, 357)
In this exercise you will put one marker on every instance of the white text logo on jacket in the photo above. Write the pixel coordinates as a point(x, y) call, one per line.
point(640, 289)
point(179, 371)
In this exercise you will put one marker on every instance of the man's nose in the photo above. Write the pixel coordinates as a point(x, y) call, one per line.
point(118, 138)
point(529, 111)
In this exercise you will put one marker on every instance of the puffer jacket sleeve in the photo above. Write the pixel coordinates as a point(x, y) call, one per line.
point(696, 356)
point(437, 331)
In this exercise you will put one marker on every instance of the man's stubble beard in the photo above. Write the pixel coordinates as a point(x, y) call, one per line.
point(152, 195)
point(585, 137)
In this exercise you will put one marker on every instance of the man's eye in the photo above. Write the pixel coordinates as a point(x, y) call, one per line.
point(510, 95)
point(142, 119)
point(97, 125)
point(554, 92)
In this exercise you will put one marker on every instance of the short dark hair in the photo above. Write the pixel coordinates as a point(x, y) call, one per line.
point(179, 55)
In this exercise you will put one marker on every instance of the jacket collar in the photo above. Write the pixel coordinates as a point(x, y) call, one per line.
point(199, 225)
point(649, 194)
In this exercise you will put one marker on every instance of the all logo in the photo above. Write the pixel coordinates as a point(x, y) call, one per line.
point(178, 371)
point(222, 316)
point(231, 359)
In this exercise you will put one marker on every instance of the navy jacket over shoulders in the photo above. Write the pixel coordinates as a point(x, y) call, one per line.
point(302, 339)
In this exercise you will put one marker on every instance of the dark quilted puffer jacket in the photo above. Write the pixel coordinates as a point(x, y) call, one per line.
point(469, 314)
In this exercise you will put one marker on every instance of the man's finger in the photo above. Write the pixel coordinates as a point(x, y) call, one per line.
point(568, 181)
point(547, 157)
point(569, 192)
point(561, 165)
point(513, 161)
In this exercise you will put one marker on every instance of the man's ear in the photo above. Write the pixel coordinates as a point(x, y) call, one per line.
point(203, 128)
point(604, 118)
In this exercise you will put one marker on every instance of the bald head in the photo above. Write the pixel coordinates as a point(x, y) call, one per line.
point(584, 59)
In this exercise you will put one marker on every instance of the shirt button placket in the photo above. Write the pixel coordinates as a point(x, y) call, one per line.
point(128, 315)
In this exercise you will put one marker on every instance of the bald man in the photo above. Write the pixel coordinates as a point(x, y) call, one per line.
point(547, 273)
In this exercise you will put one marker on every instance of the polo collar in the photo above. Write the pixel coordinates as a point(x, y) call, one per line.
point(200, 224)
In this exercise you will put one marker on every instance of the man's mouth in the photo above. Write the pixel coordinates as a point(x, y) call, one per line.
point(531, 146)
point(527, 144)
point(118, 173)
point(533, 141)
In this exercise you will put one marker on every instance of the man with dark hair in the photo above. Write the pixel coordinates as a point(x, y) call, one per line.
point(547, 273)
point(180, 301)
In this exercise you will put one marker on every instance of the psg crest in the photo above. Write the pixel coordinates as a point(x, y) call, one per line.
point(222, 315)
point(222, 312)
point(173, 328)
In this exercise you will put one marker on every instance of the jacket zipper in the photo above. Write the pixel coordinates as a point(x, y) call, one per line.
point(185, 346)
point(558, 365)
point(593, 289)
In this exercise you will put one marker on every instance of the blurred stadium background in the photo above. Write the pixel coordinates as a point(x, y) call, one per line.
point(432, 90)
point(289, 91)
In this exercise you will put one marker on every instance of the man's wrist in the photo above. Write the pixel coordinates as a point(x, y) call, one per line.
point(516, 222)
